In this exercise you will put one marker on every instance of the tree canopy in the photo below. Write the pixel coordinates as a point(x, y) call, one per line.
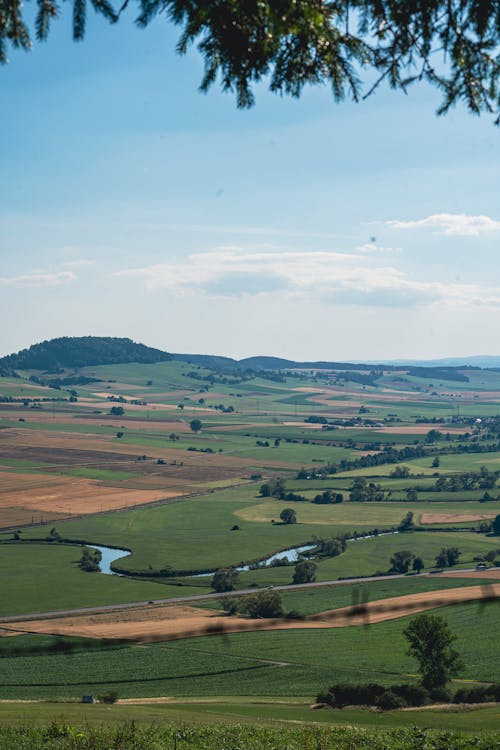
point(430, 642)
point(351, 45)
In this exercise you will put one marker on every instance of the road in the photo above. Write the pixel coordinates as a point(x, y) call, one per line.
point(193, 598)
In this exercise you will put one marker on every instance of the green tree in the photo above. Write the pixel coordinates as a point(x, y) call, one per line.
point(451, 44)
point(288, 515)
point(400, 472)
point(418, 565)
point(229, 604)
point(433, 436)
point(273, 488)
point(117, 411)
point(431, 643)
point(407, 523)
point(305, 572)
point(265, 603)
point(195, 425)
point(495, 525)
point(331, 547)
point(401, 561)
point(447, 557)
point(225, 579)
point(411, 495)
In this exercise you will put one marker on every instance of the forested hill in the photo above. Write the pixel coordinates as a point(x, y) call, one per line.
point(81, 351)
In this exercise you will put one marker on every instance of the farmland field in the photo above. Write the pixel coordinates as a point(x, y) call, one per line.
point(186, 500)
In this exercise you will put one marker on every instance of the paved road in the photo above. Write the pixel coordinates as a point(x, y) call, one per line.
point(193, 598)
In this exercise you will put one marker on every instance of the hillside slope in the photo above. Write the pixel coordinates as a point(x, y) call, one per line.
point(81, 351)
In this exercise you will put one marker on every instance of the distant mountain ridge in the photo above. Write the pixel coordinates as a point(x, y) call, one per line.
point(81, 351)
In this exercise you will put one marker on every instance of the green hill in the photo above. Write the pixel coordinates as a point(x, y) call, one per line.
point(80, 351)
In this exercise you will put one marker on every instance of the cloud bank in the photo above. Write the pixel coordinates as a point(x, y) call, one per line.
point(328, 277)
point(458, 225)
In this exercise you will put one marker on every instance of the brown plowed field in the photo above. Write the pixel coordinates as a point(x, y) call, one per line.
point(491, 574)
point(167, 622)
point(427, 518)
point(39, 494)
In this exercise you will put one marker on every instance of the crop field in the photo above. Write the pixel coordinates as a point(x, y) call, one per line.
point(122, 466)
point(289, 663)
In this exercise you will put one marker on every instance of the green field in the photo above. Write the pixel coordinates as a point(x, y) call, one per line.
point(281, 663)
point(260, 676)
point(44, 577)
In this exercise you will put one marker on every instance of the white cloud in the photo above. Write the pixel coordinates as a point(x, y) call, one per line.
point(458, 225)
point(329, 277)
point(80, 263)
point(371, 247)
point(38, 279)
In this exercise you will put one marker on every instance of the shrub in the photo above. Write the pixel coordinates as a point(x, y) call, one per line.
point(414, 695)
point(440, 695)
point(110, 697)
point(389, 701)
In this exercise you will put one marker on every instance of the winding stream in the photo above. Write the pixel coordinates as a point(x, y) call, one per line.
point(110, 554)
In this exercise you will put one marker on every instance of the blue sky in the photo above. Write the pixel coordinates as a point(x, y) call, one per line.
point(132, 205)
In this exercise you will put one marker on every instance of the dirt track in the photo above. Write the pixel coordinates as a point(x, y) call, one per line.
point(167, 622)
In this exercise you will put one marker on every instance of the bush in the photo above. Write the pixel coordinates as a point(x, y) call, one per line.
point(414, 695)
point(373, 694)
point(110, 697)
point(388, 701)
point(344, 694)
point(483, 694)
point(440, 695)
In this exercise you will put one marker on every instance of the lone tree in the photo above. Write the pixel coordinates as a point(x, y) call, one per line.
point(431, 643)
point(262, 604)
point(288, 515)
point(451, 44)
point(195, 425)
point(305, 572)
point(495, 525)
point(225, 579)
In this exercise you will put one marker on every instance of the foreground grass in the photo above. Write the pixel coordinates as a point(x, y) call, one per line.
point(148, 728)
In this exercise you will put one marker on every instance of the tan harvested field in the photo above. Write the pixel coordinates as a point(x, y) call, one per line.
point(428, 518)
point(50, 446)
point(67, 496)
point(420, 429)
point(489, 574)
point(166, 424)
point(171, 622)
